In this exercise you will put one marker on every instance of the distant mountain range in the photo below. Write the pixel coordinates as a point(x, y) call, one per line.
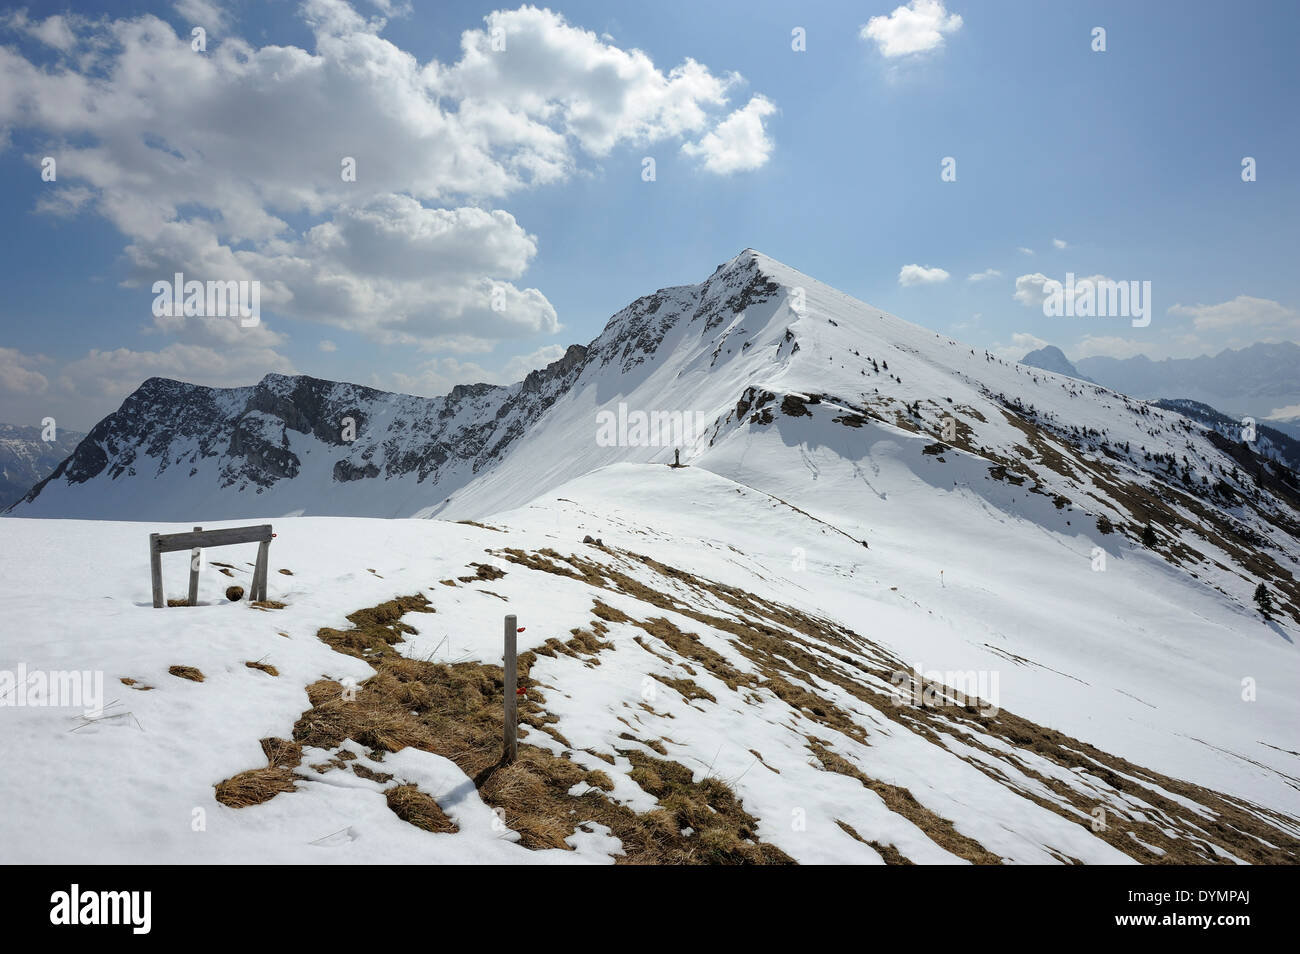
point(26, 460)
point(1250, 382)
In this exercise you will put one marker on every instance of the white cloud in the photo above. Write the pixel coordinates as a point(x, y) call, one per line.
point(227, 333)
point(392, 8)
point(1243, 312)
point(739, 143)
point(980, 276)
point(517, 368)
point(920, 275)
point(1115, 346)
point(556, 81)
point(1059, 243)
point(1283, 413)
point(1021, 344)
point(104, 376)
point(202, 13)
point(1024, 251)
point(412, 251)
point(54, 31)
point(402, 272)
point(17, 375)
point(437, 376)
point(63, 201)
point(434, 378)
point(915, 28)
point(212, 352)
point(1168, 344)
point(327, 346)
point(1030, 289)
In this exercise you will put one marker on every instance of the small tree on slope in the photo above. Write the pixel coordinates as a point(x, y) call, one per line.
point(1264, 601)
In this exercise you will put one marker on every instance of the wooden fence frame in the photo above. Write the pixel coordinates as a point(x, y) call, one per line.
point(199, 539)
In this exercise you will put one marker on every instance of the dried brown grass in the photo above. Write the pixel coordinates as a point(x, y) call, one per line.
point(417, 808)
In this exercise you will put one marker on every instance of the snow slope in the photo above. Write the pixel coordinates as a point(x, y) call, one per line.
point(1135, 660)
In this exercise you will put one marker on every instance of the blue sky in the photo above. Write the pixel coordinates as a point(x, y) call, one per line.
point(521, 169)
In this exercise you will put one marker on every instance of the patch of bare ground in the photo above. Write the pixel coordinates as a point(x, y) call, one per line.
point(891, 854)
point(483, 571)
point(255, 786)
point(416, 807)
point(685, 687)
point(263, 667)
point(281, 752)
point(186, 672)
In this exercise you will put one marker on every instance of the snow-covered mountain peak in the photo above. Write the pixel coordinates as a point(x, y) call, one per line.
point(759, 373)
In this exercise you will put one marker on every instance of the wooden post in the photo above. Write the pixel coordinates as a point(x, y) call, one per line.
point(155, 571)
point(258, 590)
point(512, 699)
point(195, 556)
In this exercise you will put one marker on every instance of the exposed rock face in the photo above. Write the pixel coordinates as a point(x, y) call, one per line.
point(253, 438)
point(251, 432)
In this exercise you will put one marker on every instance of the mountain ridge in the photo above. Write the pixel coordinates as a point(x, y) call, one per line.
point(1254, 381)
point(757, 351)
point(244, 419)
